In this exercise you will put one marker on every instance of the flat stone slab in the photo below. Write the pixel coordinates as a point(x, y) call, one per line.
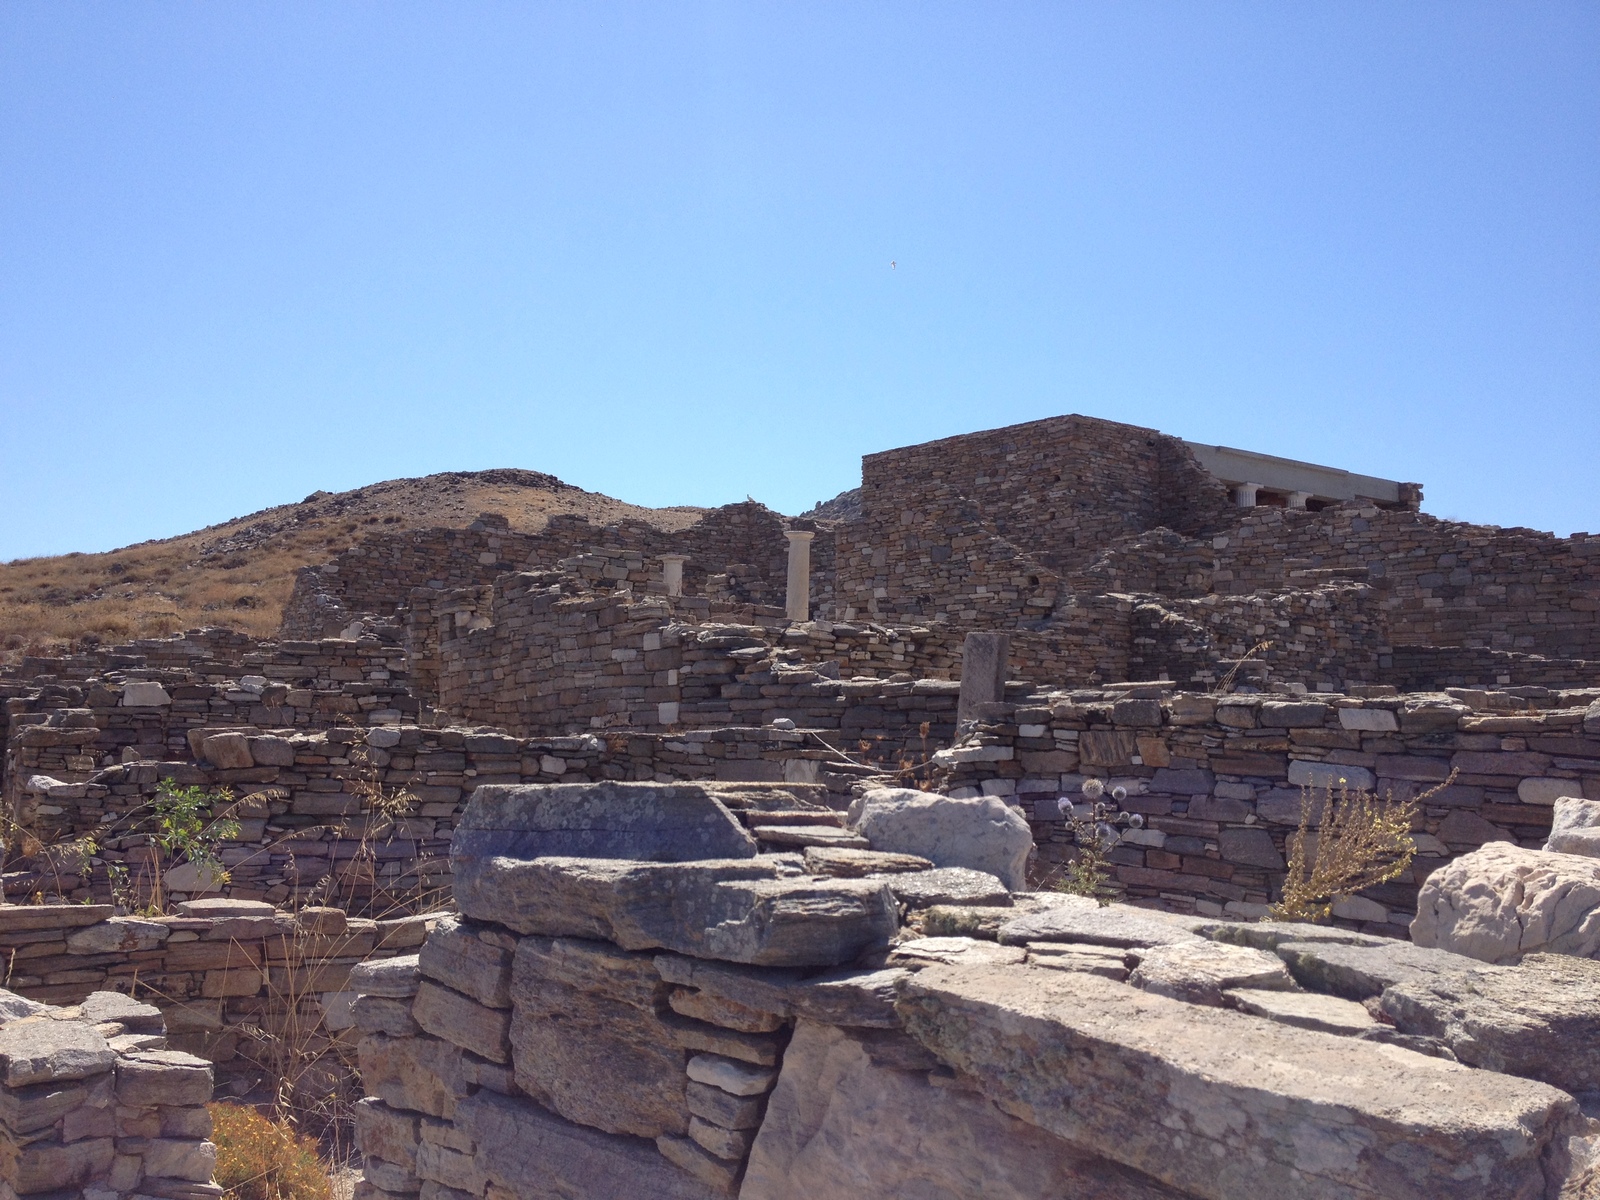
point(646, 822)
point(1269, 935)
point(41, 1050)
point(1502, 901)
point(1540, 1020)
point(863, 998)
point(948, 885)
point(808, 835)
point(1106, 961)
point(1077, 919)
point(219, 907)
point(396, 978)
point(534, 1154)
point(737, 910)
point(1199, 972)
point(1226, 1106)
point(14, 1007)
point(16, 918)
point(1357, 972)
point(1304, 1010)
point(845, 863)
point(922, 952)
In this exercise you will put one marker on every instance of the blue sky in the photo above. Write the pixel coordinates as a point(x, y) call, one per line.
point(252, 250)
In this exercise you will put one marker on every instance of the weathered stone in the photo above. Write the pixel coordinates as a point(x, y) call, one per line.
point(948, 885)
point(724, 1108)
point(808, 835)
point(423, 1074)
point(395, 978)
point(535, 1155)
point(798, 922)
point(734, 1077)
point(1109, 962)
point(1199, 971)
point(40, 1050)
point(1540, 1020)
point(982, 833)
point(1501, 902)
point(219, 908)
point(454, 955)
point(1368, 720)
point(853, 864)
point(1305, 1010)
point(144, 694)
point(650, 822)
point(1249, 847)
point(118, 935)
point(841, 1127)
point(1357, 972)
point(380, 1014)
point(921, 952)
point(710, 1169)
point(456, 1170)
point(133, 1015)
point(228, 751)
point(589, 1043)
point(1229, 1107)
point(460, 1019)
point(698, 1037)
point(731, 1144)
point(14, 1007)
point(50, 1167)
point(162, 1077)
point(175, 1158)
point(1575, 827)
point(1266, 935)
point(704, 1006)
point(1078, 919)
point(1330, 775)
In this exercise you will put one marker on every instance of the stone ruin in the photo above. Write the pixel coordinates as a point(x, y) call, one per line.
point(787, 958)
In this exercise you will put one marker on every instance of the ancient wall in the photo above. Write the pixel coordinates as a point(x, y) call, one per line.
point(1219, 779)
point(92, 1102)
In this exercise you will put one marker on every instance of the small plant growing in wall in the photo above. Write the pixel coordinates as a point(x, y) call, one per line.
point(1359, 842)
point(1096, 827)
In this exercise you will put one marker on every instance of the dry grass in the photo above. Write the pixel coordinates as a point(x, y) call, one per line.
point(238, 575)
point(262, 1159)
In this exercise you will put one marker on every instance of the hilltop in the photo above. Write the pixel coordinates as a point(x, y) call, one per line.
point(238, 574)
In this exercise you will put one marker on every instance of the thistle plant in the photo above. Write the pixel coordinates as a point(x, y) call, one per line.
point(1096, 827)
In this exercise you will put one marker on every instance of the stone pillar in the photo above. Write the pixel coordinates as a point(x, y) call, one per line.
point(1244, 494)
point(985, 661)
point(798, 595)
point(672, 573)
point(1298, 499)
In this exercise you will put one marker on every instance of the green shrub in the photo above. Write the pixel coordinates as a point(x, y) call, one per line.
point(259, 1159)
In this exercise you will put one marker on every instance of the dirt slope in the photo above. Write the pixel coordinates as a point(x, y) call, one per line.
point(239, 574)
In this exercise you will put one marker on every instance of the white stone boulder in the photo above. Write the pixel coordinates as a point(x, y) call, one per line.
point(980, 832)
point(144, 693)
point(1502, 901)
point(1575, 827)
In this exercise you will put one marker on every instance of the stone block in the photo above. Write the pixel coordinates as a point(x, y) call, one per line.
point(119, 935)
point(455, 955)
point(1503, 901)
point(1304, 1010)
point(715, 1010)
point(1182, 782)
point(1077, 919)
point(423, 1074)
point(1330, 775)
point(844, 863)
point(1368, 720)
point(55, 1168)
point(722, 1108)
point(948, 885)
point(1200, 972)
point(396, 978)
point(1223, 1106)
point(1575, 828)
point(459, 1019)
point(731, 1076)
point(228, 751)
point(163, 1077)
point(144, 694)
point(1284, 714)
point(982, 833)
point(713, 1171)
point(380, 1014)
point(1249, 847)
point(46, 1051)
point(1357, 972)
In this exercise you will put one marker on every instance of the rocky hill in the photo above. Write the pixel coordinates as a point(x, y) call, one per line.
point(239, 573)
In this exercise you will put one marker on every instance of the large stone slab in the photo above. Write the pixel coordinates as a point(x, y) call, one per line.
point(1078, 919)
point(462, 1021)
point(841, 1127)
point(649, 822)
point(588, 1039)
point(949, 885)
point(535, 1155)
point(739, 911)
point(1230, 1107)
point(423, 1074)
point(1540, 1019)
point(1357, 972)
point(1199, 972)
point(982, 832)
point(456, 956)
point(1502, 901)
point(1575, 826)
point(848, 997)
point(41, 1050)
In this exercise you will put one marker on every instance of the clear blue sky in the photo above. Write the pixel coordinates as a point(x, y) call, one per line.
point(252, 250)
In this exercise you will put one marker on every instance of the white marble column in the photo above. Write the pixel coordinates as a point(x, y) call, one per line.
point(672, 573)
point(1298, 499)
point(798, 595)
point(1244, 494)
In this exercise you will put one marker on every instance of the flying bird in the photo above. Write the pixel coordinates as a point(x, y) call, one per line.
point(891, 264)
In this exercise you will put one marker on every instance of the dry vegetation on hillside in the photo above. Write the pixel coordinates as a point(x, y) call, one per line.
point(239, 574)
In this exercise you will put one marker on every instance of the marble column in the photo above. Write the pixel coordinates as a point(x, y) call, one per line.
point(1298, 499)
point(672, 573)
point(1244, 494)
point(798, 594)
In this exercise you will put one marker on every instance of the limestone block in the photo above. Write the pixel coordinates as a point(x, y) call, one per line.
point(133, 1015)
point(1357, 972)
point(732, 1144)
point(454, 1169)
point(1368, 720)
point(920, 952)
point(535, 1155)
point(948, 885)
point(847, 997)
point(396, 978)
point(734, 1077)
point(144, 694)
point(448, 1014)
point(1502, 901)
point(1078, 919)
point(51, 1167)
point(1548, 791)
point(455, 955)
point(1540, 1020)
point(1200, 972)
point(841, 1127)
point(423, 1074)
point(118, 935)
point(722, 1108)
point(380, 1014)
point(45, 1051)
point(695, 1160)
point(167, 1077)
point(845, 863)
point(175, 1158)
point(762, 1049)
point(715, 1010)
point(1329, 775)
point(1225, 1106)
point(1105, 961)
point(983, 832)
point(654, 822)
point(1574, 828)
point(228, 751)
point(589, 1043)
point(1305, 1010)
point(220, 908)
